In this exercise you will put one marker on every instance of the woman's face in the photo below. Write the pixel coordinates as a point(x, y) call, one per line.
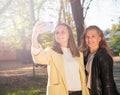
point(61, 35)
point(92, 39)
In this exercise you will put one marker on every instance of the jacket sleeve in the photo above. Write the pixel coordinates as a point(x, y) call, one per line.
point(43, 57)
point(107, 78)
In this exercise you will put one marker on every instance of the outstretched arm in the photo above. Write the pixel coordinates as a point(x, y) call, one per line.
point(39, 55)
point(38, 29)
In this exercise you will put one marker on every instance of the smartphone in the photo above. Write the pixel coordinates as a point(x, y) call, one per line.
point(48, 26)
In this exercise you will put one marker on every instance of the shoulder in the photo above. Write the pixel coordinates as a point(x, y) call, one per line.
point(103, 57)
point(80, 58)
point(47, 48)
point(51, 51)
point(102, 54)
point(81, 53)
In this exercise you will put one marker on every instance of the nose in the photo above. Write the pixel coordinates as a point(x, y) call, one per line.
point(89, 39)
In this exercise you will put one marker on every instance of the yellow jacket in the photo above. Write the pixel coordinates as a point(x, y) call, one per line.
point(56, 74)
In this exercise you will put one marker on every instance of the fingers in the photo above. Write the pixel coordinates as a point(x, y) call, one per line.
point(39, 28)
point(42, 27)
point(39, 25)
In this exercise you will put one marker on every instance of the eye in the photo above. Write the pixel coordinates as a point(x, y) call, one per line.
point(87, 37)
point(63, 32)
point(56, 32)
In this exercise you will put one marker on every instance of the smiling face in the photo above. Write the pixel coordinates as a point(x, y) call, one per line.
point(61, 35)
point(92, 39)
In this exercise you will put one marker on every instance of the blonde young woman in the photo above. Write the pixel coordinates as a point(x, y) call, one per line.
point(65, 66)
point(98, 62)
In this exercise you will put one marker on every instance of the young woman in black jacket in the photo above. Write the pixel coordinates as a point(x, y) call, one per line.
point(98, 62)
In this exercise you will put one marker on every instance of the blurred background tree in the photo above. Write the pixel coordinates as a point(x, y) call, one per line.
point(17, 18)
point(114, 39)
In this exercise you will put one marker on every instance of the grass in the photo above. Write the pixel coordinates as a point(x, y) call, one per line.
point(23, 85)
point(22, 92)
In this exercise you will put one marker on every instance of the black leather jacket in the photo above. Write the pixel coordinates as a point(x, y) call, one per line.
point(102, 80)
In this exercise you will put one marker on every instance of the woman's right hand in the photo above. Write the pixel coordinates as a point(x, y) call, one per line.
point(37, 30)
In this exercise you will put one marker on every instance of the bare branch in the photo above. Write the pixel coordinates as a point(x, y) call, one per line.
point(83, 3)
point(87, 8)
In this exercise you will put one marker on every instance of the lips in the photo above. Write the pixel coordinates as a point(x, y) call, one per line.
point(60, 38)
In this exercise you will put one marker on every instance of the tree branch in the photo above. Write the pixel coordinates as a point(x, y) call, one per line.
point(87, 8)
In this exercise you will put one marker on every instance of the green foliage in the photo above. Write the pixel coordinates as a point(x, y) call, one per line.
point(14, 22)
point(114, 37)
point(23, 92)
point(116, 27)
point(46, 39)
point(115, 42)
point(17, 20)
point(107, 31)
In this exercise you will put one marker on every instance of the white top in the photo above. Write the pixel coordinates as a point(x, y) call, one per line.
point(71, 69)
point(88, 69)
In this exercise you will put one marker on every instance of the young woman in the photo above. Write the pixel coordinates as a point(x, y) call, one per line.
point(98, 62)
point(66, 75)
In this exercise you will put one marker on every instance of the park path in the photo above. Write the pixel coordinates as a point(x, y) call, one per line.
point(16, 68)
point(116, 72)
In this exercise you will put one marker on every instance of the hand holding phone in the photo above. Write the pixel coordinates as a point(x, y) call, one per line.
point(48, 26)
point(42, 27)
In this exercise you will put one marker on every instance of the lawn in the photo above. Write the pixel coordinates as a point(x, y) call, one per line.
point(23, 85)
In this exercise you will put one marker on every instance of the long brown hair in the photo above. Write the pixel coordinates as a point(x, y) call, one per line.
point(71, 42)
point(102, 44)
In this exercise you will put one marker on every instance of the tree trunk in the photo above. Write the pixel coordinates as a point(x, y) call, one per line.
point(32, 25)
point(77, 11)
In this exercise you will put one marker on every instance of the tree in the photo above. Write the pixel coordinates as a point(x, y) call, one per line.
point(77, 11)
point(73, 11)
point(114, 39)
point(79, 14)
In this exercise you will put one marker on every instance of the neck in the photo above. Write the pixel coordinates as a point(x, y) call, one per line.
point(63, 45)
point(93, 50)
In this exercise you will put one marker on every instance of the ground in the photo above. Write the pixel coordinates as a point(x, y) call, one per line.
point(14, 74)
point(15, 68)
